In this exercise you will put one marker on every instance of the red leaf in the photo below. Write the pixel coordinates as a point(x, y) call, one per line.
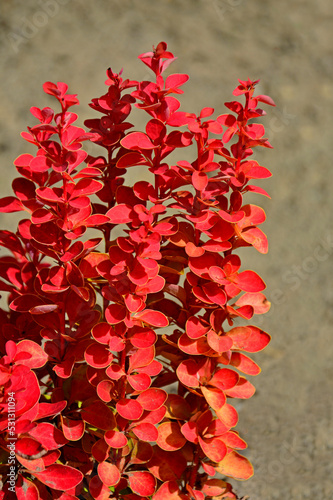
point(108, 473)
point(86, 186)
point(73, 252)
point(73, 429)
point(115, 439)
point(190, 431)
point(151, 317)
point(142, 483)
point(88, 265)
point(28, 446)
point(199, 180)
point(213, 448)
point(176, 80)
point(205, 112)
point(266, 99)
point(152, 398)
point(141, 357)
point(44, 309)
point(232, 440)
point(98, 490)
point(193, 347)
point(187, 372)
point(215, 293)
point(50, 409)
point(139, 381)
point(220, 343)
point(256, 300)
point(193, 251)
point(49, 436)
point(98, 356)
point(104, 390)
point(131, 160)
point(196, 327)
point(224, 379)
point(10, 204)
point(25, 302)
point(144, 337)
point(60, 477)
point(34, 355)
point(25, 490)
point(146, 432)
point(170, 437)
point(120, 214)
point(39, 164)
point(137, 141)
point(249, 281)
point(156, 130)
point(96, 220)
point(167, 465)
point(130, 409)
point(23, 160)
point(65, 368)
point(201, 265)
point(115, 314)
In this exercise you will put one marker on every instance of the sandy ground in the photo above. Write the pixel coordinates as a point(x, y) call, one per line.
point(288, 424)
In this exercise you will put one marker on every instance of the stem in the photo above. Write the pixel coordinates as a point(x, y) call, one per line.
point(124, 381)
point(195, 467)
point(62, 332)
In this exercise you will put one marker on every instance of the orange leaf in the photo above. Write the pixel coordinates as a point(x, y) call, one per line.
point(170, 437)
point(108, 473)
point(227, 415)
point(236, 466)
point(243, 390)
point(215, 397)
point(142, 483)
point(169, 491)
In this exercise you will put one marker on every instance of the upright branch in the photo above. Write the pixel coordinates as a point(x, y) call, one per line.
point(122, 349)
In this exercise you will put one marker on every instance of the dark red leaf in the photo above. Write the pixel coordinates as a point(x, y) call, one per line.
point(99, 415)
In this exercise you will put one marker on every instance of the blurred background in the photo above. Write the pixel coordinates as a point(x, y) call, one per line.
point(288, 424)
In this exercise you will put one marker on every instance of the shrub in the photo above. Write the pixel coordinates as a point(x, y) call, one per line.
point(99, 326)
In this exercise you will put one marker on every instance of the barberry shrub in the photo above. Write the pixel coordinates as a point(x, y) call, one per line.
point(121, 350)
